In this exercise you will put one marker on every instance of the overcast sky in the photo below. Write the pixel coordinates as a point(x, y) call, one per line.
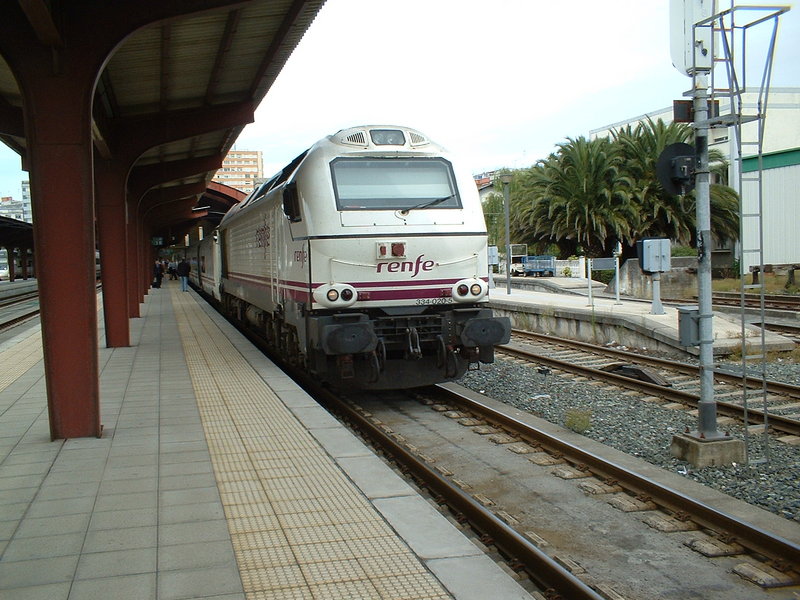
point(498, 83)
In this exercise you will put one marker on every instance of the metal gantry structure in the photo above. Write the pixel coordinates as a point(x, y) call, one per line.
point(730, 35)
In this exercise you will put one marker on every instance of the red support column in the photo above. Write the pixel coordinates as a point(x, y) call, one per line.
point(112, 233)
point(64, 242)
point(23, 252)
point(134, 269)
point(58, 104)
point(12, 263)
point(33, 262)
point(148, 256)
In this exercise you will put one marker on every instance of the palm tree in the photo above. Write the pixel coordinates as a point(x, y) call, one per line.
point(718, 165)
point(663, 214)
point(579, 196)
point(724, 212)
point(590, 194)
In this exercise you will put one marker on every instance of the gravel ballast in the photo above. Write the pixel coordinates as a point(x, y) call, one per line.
point(645, 430)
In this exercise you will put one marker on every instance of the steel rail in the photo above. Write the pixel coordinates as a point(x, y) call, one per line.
point(542, 569)
point(777, 387)
point(754, 538)
point(792, 330)
point(27, 315)
point(17, 320)
point(12, 300)
point(770, 300)
point(779, 303)
point(726, 408)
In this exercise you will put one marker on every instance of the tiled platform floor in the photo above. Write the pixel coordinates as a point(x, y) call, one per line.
point(208, 483)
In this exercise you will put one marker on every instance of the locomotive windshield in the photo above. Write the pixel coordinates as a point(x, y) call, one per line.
point(394, 183)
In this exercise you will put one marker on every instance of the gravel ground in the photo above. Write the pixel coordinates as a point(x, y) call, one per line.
point(645, 430)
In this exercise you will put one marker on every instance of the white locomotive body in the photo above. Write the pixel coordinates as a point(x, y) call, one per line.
point(364, 260)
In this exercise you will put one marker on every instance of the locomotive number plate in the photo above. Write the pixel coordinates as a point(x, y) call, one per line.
point(434, 300)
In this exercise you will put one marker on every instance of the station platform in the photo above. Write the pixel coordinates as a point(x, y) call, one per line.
point(215, 477)
point(629, 323)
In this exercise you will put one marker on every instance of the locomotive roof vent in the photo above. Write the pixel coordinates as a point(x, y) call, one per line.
point(418, 139)
point(358, 138)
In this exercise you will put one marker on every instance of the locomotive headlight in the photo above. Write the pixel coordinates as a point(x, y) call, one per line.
point(335, 295)
point(469, 290)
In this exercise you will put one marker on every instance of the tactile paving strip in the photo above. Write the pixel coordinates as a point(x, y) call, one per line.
point(19, 358)
point(299, 528)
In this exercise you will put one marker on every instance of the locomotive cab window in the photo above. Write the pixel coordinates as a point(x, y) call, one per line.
point(394, 184)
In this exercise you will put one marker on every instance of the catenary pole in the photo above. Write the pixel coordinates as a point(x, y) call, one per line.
point(707, 414)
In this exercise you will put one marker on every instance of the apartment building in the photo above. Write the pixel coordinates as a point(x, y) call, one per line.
point(241, 169)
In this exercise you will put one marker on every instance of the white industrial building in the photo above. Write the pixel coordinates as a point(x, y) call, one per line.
point(780, 171)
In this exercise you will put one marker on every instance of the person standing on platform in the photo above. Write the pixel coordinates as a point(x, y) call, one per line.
point(158, 274)
point(183, 272)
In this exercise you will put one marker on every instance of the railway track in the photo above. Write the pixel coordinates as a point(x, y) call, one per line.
point(785, 329)
point(550, 577)
point(555, 581)
point(760, 557)
point(21, 307)
point(670, 380)
point(18, 309)
point(12, 300)
point(771, 301)
point(774, 302)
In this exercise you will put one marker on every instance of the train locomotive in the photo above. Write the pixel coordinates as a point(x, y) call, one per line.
point(363, 261)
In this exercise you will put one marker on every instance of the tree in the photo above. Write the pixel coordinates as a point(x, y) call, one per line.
point(663, 214)
point(719, 166)
point(589, 194)
point(494, 215)
point(579, 196)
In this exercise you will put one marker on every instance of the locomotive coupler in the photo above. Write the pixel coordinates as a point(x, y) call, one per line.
point(412, 341)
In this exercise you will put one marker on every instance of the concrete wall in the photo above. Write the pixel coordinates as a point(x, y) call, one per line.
point(680, 282)
point(595, 329)
point(628, 324)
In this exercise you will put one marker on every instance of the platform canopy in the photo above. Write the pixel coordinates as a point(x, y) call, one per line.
point(15, 233)
point(204, 60)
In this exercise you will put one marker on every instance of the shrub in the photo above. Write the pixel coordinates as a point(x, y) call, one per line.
point(604, 276)
point(683, 251)
point(578, 420)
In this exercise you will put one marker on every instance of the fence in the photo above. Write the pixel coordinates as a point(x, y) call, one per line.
point(577, 268)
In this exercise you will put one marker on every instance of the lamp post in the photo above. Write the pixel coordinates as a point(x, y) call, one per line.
point(506, 179)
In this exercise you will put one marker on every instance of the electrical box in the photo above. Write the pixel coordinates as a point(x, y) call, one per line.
point(494, 255)
point(654, 255)
point(689, 325)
